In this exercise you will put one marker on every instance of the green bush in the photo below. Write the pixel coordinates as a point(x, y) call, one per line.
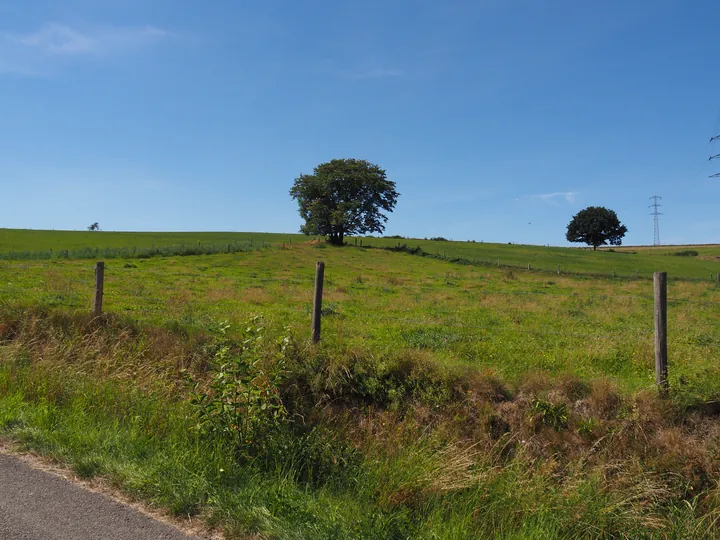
point(242, 401)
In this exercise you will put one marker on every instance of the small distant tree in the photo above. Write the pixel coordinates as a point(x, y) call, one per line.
point(94, 227)
point(596, 226)
point(344, 197)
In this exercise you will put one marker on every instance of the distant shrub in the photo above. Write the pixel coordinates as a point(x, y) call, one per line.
point(439, 239)
point(396, 236)
point(686, 253)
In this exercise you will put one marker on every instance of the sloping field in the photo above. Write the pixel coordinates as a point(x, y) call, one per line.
point(511, 321)
point(627, 262)
point(443, 401)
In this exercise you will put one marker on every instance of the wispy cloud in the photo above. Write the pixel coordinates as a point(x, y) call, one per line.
point(555, 197)
point(375, 74)
point(33, 52)
point(59, 39)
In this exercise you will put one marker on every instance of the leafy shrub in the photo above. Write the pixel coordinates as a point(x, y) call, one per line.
point(439, 239)
point(686, 253)
point(242, 401)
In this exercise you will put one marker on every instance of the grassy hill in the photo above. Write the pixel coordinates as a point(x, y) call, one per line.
point(628, 261)
point(444, 400)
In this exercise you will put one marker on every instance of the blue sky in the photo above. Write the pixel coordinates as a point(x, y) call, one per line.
point(498, 119)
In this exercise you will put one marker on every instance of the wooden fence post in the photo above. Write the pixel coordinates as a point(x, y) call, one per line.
point(661, 355)
point(99, 283)
point(317, 301)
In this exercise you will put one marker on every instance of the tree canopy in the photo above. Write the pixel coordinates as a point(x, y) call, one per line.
point(596, 226)
point(344, 197)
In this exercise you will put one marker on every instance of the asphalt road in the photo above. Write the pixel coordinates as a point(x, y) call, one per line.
point(36, 505)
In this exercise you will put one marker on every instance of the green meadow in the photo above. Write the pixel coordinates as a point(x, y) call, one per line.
point(622, 261)
point(449, 397)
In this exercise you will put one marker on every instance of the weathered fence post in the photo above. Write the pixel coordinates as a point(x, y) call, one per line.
point(528, 266)
point(99, 283)
point(661, 355)
point(498, 261)
point(558, 268)
point(317, 301)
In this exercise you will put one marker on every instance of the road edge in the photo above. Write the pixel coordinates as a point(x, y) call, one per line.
point(191, 526)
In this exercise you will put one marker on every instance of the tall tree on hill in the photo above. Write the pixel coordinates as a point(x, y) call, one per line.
point(596, 226)
point(344, 197)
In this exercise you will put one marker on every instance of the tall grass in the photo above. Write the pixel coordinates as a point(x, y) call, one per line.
point(407, 449)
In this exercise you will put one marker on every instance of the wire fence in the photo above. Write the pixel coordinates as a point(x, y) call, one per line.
point(506, 262)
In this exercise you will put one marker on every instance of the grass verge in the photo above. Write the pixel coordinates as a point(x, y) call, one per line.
point(391, 447)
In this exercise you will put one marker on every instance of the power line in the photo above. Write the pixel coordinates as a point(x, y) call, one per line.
point(655, 205)
point(716, 156)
